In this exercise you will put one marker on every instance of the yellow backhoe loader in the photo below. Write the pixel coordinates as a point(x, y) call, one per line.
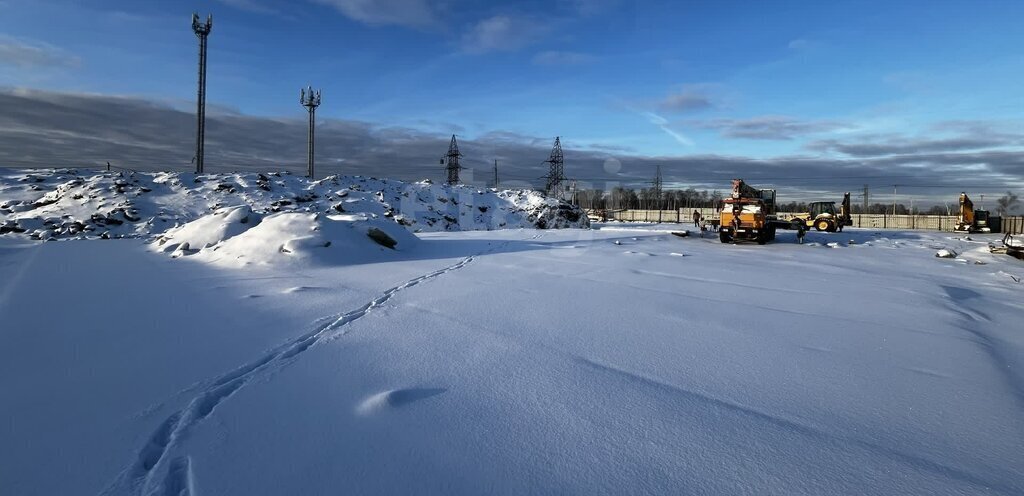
point(823, 216)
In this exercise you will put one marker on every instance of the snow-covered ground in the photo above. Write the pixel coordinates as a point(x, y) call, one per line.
point(615, 360)
point(264, 334)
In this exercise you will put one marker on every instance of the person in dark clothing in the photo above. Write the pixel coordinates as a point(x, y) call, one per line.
point(696, 218)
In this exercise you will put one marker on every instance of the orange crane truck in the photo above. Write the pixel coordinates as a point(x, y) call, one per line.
point(749, 214)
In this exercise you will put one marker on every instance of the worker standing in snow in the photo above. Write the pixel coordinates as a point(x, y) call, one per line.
point(696, 218)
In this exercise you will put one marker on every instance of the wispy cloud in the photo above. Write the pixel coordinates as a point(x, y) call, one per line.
point(26, 53)
point(553, 57)
point(503, 33)
point(408, 13)
point(770, 127)
point(688, 98)
point(663, 124)
point(912, 146)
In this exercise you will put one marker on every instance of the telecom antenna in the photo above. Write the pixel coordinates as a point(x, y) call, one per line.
point(202, 30)
point(495, 173)
point(556, 172)
point(311, 100)
point(451, 161)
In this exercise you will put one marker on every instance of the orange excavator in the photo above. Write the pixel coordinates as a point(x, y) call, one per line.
point(971, 220)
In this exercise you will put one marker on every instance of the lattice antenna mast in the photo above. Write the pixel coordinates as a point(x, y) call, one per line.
point(556, 171)
point(495, 173)
point(202, 30)
point(311, 100)
point(451, 161)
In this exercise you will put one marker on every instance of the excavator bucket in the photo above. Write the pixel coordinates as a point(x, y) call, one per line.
point(1014, 244)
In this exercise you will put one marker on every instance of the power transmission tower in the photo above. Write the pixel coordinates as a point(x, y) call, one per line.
point(202, 30)
point(495, 173)
point(451, 161)
point(310, 100)
point(657, 191)
point(556, 172)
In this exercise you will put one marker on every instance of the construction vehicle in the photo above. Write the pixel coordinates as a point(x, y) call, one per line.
point(971, 220)
point(1013, 245)
point(822, 215)
point(749, 214)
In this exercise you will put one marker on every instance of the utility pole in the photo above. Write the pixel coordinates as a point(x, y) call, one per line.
point(657, 191)
point(451, 161)
point(894, 198)
point(556, 171)
point(310, 100)
point(495, 173)
point(202, 30)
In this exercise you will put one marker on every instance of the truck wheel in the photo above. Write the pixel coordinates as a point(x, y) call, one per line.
point(823, 225)
point(724, 236)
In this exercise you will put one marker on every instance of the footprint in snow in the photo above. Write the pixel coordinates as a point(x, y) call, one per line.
point(395, 398)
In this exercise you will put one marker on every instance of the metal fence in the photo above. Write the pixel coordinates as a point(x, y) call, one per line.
point(1013, 225)
point(681, 215)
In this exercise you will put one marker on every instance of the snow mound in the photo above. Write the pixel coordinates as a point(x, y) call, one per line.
point(209, 230)
point(225, 237)
point(395, 398)
point(80, 203)
point(945, 253)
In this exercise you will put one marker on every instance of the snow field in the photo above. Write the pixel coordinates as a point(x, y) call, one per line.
point(607, 361)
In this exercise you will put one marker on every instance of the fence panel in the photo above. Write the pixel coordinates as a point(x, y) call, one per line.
point(1013, 225)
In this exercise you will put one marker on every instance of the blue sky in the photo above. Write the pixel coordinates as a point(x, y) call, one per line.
point(655, 79)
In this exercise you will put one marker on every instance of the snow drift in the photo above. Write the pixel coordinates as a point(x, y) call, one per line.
point(237, 236)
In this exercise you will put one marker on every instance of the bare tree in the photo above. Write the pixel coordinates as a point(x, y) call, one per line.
point(1007, 204)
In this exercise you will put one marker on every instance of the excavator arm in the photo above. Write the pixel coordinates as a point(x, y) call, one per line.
point(965, 217)
point(845, 217)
